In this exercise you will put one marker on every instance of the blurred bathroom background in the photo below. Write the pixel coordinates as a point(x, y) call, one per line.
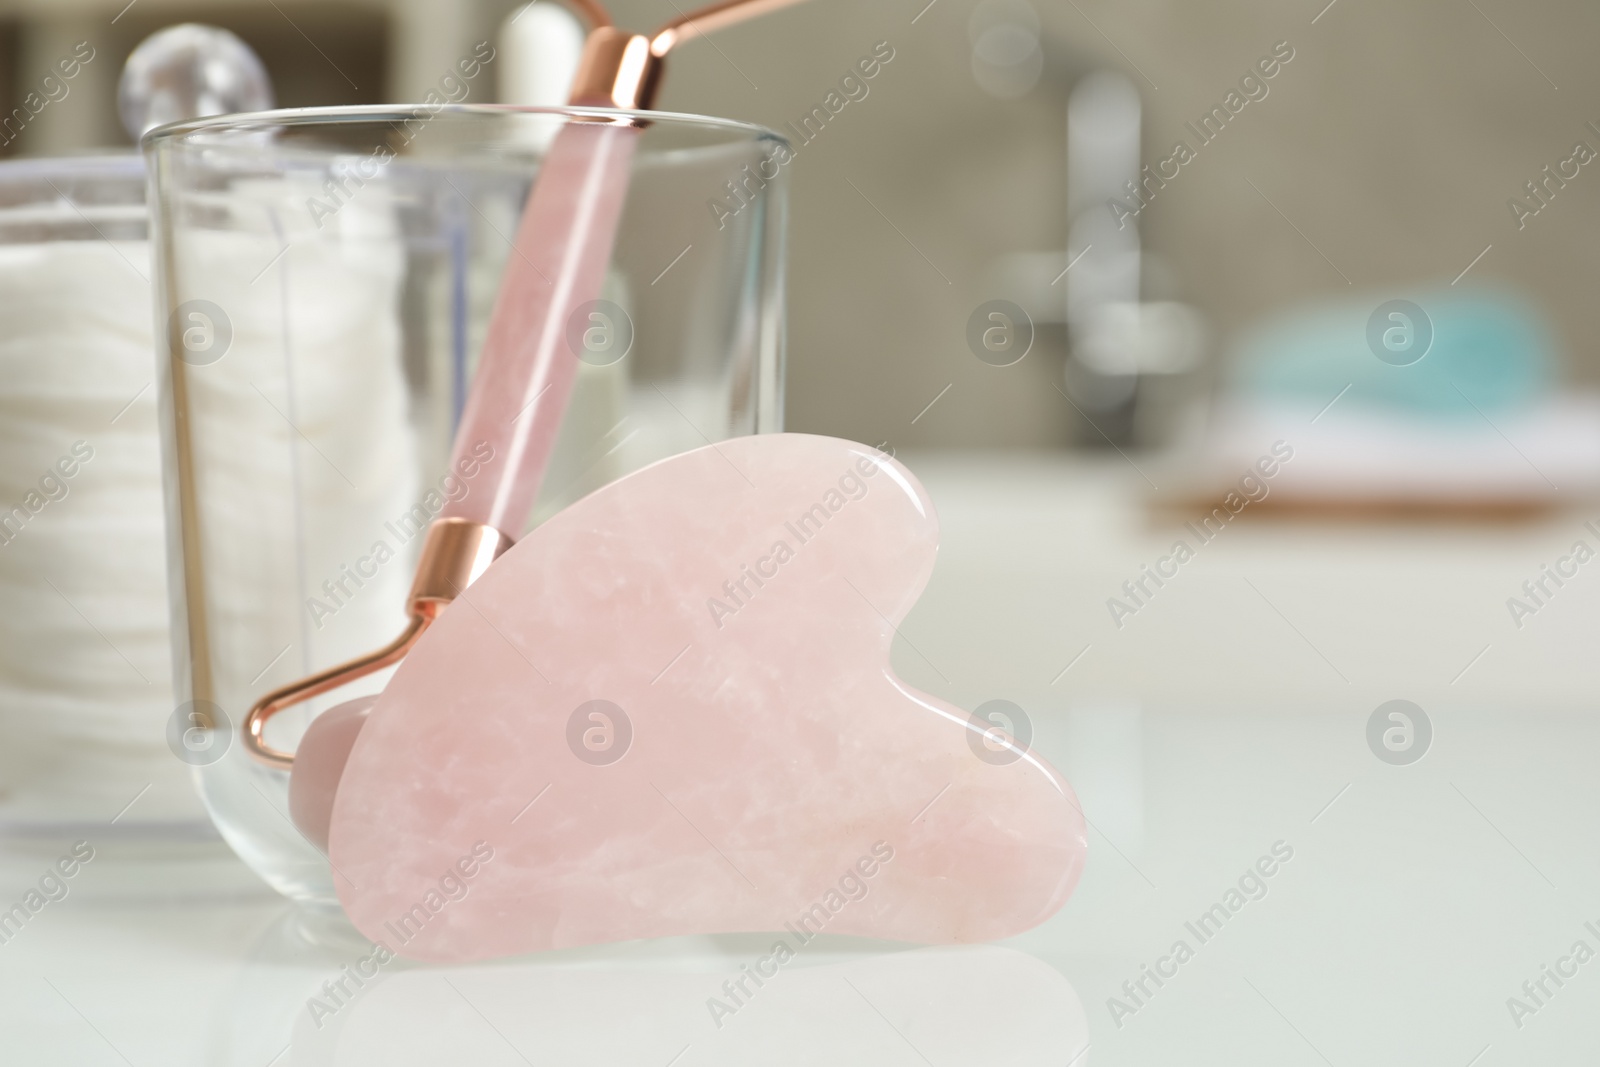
point(1350, 301)
point(1377, 163)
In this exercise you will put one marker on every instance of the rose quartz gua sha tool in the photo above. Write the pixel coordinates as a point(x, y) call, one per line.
point(524, 377)
point(669, 710)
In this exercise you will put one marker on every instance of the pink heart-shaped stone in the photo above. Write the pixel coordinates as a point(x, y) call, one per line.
point(669, 710)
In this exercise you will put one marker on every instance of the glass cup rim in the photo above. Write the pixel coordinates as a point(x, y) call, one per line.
point(254, 122)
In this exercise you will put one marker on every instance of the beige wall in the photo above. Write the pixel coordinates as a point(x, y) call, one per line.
point(1392, 140)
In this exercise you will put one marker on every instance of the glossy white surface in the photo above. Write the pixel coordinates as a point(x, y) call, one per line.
point(1418, 898)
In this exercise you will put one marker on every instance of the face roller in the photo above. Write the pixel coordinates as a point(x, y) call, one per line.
point(524, 378)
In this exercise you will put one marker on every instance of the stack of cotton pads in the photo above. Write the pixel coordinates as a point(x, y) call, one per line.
point(305, 434)
point(84, 656)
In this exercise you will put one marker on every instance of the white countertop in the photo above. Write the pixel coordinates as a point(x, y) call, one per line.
point(1227, 717)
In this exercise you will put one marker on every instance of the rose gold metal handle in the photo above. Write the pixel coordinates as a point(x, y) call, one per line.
point(710, 19)
point(623, 70)
point(455, 553)
point(617, 69)
point(255, 723)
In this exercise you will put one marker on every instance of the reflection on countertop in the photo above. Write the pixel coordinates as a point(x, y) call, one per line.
point(210, 970)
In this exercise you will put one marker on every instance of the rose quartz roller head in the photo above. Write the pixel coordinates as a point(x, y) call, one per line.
point(524, 378)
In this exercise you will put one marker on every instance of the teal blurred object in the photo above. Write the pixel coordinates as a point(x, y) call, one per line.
point(1487, 349)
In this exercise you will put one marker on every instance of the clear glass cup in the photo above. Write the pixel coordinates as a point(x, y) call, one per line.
point(325, 278)
point(85, 693)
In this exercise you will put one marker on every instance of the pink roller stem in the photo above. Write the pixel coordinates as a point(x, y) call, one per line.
point(558, 263)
